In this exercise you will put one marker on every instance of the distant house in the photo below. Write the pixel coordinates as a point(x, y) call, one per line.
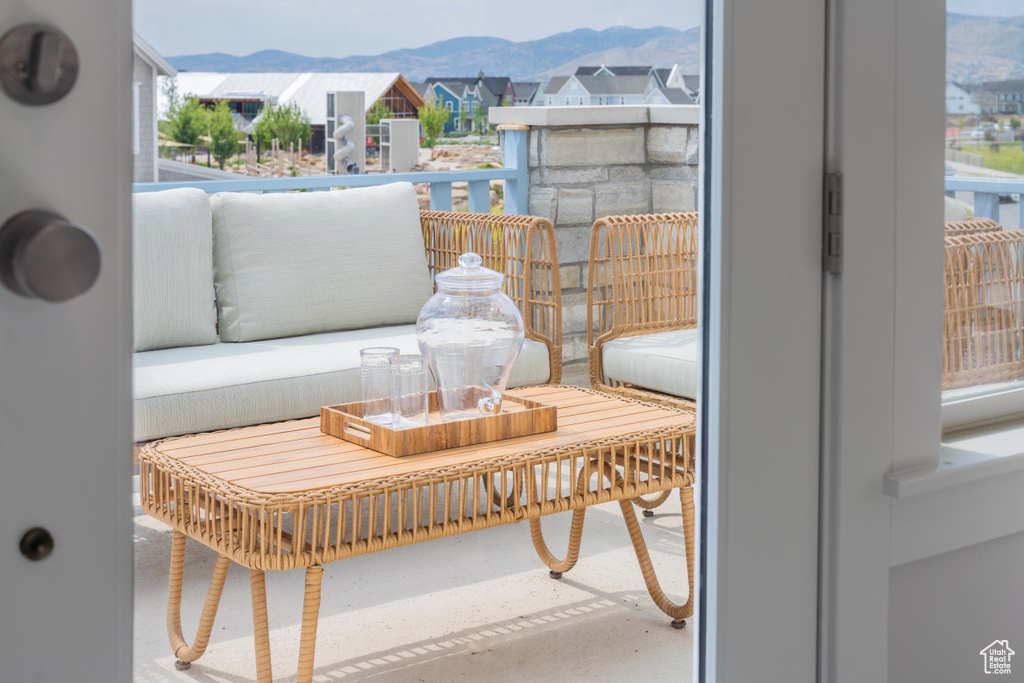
point(489, 90)
point(599, 85)
point(247, 93)
point(460, 99)
point(521, 94)
point(675, 78)
point(147, 65)
point(998, 97)
point(959, 100)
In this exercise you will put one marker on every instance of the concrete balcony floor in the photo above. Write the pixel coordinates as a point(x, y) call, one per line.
point(476, 607)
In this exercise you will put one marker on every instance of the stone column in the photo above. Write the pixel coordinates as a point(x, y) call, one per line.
point(589, 162)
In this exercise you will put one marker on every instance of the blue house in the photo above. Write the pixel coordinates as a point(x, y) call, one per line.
point(460, 99)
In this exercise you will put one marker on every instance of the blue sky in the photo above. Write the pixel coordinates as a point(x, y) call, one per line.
point(339, 28)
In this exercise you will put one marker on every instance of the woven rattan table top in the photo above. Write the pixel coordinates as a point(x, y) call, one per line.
point(295, 456)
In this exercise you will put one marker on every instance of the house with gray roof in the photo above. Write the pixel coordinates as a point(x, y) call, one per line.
point(590, 86)
point(522, 94)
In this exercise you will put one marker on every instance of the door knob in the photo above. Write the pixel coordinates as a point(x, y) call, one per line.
point(45, 256)
point(36, 544)
point(38, 64)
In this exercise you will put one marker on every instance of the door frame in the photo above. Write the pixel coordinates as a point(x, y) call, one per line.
point(762, 155)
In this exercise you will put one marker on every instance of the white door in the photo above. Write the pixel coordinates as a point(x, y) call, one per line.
point(65, 368)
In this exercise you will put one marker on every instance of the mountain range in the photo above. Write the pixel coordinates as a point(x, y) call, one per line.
point(977, 49)
point(533, 59)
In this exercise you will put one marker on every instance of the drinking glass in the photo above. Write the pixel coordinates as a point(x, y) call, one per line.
point(409, 376)
point(375, 369)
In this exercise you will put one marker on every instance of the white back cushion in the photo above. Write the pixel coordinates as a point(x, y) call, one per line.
point(293, 264)
point(172, 247)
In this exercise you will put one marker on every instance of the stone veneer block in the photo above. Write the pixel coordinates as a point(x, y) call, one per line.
point(602, 147)
point(624, 198)
point(574, 176)
point(575, 207)
point(542, 202)
point(534, 152)
point(573, 244)
point(569, 276)
point(673, 172)
point(667, 144)
point(693, 146)
point(574, 313)
point(574, 347)
point(672, 197)
point(626, 173)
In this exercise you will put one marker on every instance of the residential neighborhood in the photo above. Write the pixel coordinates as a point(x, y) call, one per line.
point(385, 95)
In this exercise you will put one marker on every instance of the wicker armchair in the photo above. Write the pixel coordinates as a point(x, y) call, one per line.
point(521, 247)
point(642, 280)
point(971, 226)
point(983, 317)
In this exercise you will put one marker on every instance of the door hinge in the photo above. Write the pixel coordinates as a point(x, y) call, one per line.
point(832, 224)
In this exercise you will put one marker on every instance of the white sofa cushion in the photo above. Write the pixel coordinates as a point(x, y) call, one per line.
point(665, 362)
point(204, 388)
point(172, 252)
point(293, 264)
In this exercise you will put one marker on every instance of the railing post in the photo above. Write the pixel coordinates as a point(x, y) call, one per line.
point(480, 196)
point(986, 205)
point(440, 196)
point(517, 191)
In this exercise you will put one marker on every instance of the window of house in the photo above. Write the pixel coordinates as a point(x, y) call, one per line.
point(983, 312)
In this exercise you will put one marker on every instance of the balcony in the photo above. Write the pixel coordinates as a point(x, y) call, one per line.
point(478, 607)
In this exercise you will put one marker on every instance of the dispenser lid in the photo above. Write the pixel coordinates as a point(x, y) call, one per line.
point(469, 276)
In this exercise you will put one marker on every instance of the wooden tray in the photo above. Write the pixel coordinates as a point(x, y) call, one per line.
point(518, 417)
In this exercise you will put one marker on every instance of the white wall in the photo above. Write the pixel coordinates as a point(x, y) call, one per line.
point(944, 609)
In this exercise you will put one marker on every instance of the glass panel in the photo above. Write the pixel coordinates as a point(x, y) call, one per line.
point(588, 213)
point(983, 328)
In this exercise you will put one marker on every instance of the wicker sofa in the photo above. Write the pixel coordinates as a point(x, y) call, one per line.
point(252, 308)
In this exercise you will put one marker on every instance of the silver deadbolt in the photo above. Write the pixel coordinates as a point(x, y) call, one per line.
point(38, 64)
point(44, 256)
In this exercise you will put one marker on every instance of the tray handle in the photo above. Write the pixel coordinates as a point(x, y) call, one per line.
point(357, 431)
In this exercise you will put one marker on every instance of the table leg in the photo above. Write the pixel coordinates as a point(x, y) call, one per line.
point(310, 616)
point(185, 653)
point(572, 554)
point(679, 613)
point(260, 625)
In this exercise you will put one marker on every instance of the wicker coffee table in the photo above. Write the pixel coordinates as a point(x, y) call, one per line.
point(286, 496)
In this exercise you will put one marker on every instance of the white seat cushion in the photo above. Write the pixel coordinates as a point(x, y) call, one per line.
point(665, 362)
point(172, 253)
point(293, 264)
point(204, 388)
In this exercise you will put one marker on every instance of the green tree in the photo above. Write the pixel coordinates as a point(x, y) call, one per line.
point(287, 123)
point(464, 119)
point(480, 122)
point(1015, 123)
point(377, 112)
point(224, 137)
point(186, 116)
point(432, 117)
